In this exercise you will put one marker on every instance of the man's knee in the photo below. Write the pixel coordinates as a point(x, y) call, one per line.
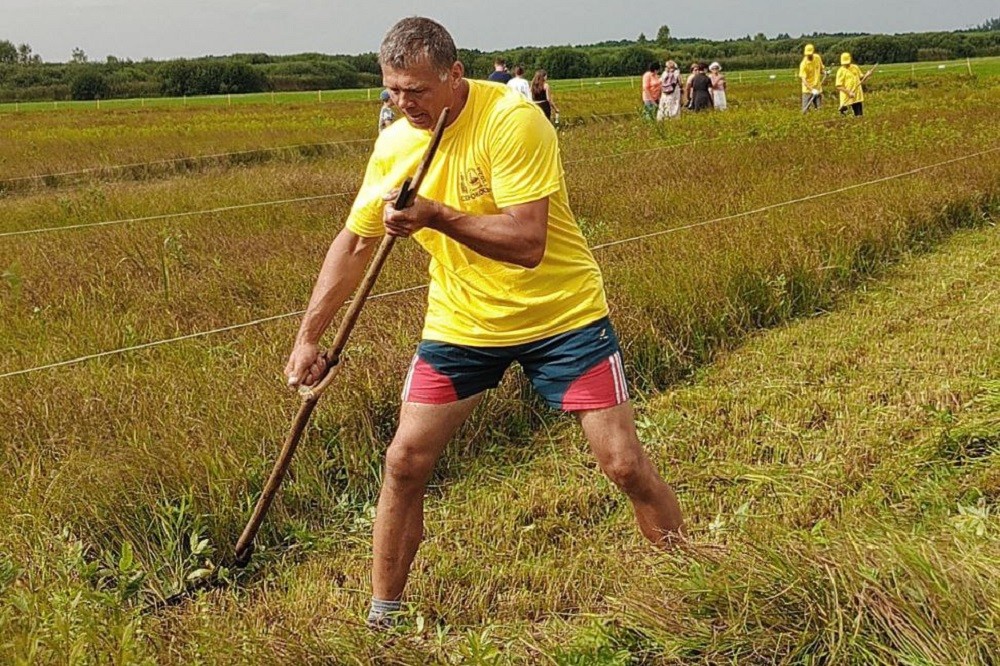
point(407, 465)
point(626, 469)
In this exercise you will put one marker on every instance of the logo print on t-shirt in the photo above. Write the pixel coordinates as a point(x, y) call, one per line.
point(472, 184)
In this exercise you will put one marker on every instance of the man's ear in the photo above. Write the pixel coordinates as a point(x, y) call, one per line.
point(457, 72)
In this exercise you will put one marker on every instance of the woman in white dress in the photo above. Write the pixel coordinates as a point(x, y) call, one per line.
point(670, 96)
point(718, 86)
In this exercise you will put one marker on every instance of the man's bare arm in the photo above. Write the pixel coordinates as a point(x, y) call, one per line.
point(342, 270)
point(516, 235)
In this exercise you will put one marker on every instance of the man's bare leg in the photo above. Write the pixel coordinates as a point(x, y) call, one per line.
point(614, 441)
point(423, 432)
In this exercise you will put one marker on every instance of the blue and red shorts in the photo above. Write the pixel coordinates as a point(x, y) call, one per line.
point(573, 371)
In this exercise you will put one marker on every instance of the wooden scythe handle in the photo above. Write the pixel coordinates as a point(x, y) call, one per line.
point(310, 394)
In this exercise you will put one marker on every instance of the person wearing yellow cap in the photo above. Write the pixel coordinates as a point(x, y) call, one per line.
point(850, 82)
point(812, 75)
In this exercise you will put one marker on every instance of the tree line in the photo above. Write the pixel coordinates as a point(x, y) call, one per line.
point(24, 76)
point(30, 79)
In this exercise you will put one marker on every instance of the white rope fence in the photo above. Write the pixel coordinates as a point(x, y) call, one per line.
point(249, 151)
point(176, 160)
point(262, 204)
point(739, 76)
point(168, 216)
point(811, 197)
point(646, 150)
point(568, 84)
point(189, 336)
point(602, 246)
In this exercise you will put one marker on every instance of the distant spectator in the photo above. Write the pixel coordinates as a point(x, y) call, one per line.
point(386, 116)
point(670, 92)
point(651, 89)
point(811, 74)
point(520, 84)
point(699, 88)
point(850, 83)
point(687, 85)
point(718, 86)
point(541, 94)
point(499, 73)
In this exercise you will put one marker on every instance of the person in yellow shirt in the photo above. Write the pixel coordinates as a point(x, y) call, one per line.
point(511, 280)
point(850, 83)
point(811, 75)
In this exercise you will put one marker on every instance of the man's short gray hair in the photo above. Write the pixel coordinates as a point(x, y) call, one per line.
point(415, 39)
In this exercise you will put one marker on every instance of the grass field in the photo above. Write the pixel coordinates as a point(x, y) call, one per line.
point(839, 474)
point(916, 71)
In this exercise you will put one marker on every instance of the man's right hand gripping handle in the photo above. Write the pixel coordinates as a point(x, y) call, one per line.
point(305, 365)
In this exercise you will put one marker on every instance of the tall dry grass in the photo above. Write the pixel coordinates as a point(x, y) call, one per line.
point(128, 477)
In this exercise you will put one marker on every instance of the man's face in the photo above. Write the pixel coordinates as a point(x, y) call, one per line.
point(420, 93)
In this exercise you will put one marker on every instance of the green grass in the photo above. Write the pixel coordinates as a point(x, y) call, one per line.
point(822, 465)
point(987, 66)
point(201, 101)
point(38, 144)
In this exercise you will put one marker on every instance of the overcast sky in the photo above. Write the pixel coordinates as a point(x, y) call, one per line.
point(161, 29)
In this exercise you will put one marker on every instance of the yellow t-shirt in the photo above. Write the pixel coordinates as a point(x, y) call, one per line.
point(501, 151)
point(849, 77)
point(813, 73)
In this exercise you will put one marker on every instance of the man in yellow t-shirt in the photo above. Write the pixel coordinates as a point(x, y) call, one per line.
point(850, 82)
point(511, 280)
point(811, 74)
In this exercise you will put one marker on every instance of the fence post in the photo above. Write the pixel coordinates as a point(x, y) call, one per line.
point(229, 99)
point(319, 95)
point(968, 63)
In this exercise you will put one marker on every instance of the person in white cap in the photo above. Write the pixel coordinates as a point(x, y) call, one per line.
point(811, 74)
point(718, 86)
